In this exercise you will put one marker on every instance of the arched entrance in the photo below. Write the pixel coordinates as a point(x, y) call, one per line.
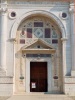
point(38, 40)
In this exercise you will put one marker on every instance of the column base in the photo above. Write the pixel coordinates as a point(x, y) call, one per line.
point(73, 73)
point(69, 85)
point(6, 85)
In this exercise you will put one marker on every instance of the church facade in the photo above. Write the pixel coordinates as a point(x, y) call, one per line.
point(37, 47)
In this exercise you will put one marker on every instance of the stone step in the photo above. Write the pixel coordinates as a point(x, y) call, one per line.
point(4, 97)
point(37, 93)
point(30, 93)
point(40, 97)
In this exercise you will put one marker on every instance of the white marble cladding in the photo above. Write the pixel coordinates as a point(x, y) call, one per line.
point(6, 89)
point(70, 85)
point(70, 89)
point(6, 80)
point(69, 80)
point(22, 7)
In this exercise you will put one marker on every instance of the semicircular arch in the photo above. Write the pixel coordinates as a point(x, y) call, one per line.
point(39, 12)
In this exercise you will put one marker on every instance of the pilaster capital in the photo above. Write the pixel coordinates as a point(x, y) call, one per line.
point(71, 9)
point(63, 39)
point(13, 40)
point(3, 1)
point(3, 10)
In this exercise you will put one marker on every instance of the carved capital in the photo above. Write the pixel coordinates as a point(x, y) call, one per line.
point(4, 1)
point(3, 10)
point(63, 39)
point(71, 9)
point(13, 40)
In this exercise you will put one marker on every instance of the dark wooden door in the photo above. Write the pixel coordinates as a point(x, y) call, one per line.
point(38, 76)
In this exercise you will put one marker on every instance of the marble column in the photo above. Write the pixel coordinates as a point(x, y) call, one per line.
point(3, 37)
point(71, 10)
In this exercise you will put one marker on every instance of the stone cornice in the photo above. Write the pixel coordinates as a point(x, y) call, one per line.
point(35, 3)
point(43, 0)
point(24, 4)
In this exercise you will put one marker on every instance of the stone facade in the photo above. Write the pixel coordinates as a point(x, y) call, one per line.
point(37, 31)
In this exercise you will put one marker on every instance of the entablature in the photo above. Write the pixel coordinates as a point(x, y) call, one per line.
point(37, 3)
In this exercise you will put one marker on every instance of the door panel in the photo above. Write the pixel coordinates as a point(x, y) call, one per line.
point(38, 76)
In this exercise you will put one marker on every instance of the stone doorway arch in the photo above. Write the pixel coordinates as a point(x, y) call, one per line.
point(37, 12)
point(57, 22)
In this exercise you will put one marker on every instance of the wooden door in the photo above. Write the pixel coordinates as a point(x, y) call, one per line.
point(38, 76)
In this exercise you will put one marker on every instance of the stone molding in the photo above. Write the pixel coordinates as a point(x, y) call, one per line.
point(6, 80)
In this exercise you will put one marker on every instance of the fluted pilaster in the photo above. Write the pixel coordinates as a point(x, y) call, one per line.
point(71, 10)
point(3, 37)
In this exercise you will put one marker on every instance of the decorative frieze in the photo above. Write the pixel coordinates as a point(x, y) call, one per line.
point(37, 2)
